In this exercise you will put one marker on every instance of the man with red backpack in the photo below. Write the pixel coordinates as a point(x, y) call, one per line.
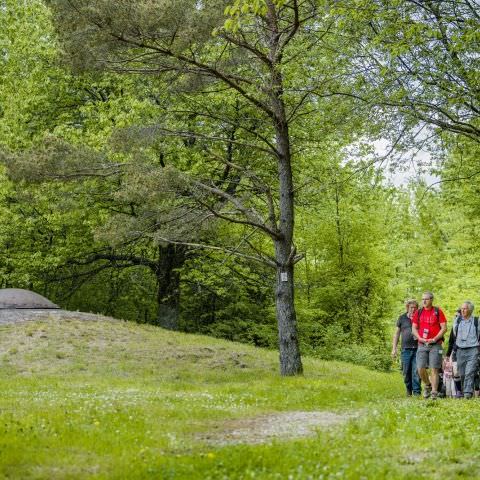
point(429, 324)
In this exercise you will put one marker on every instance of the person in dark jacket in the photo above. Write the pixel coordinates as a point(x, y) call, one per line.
point(409, 349)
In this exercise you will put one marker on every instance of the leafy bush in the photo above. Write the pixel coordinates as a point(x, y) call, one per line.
point(338, 345)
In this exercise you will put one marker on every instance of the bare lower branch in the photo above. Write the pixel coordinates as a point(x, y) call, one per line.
point(131, 259)
point(253, 218)
point(445, 180)
point(265, 261)
point(186, 134)
point(230, 219)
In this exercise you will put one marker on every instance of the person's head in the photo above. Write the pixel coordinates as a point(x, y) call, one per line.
point(467, 309)
point(427, 299)
point(410, 306)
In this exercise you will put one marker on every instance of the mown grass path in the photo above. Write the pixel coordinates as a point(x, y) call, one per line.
point(109, 399)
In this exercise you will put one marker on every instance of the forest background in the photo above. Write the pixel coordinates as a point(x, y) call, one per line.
point(133, 179)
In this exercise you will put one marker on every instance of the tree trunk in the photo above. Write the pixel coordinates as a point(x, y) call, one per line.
point(290, 359)
point(171, 258)
point(341, 257)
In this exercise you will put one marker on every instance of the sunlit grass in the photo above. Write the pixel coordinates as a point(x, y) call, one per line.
point(109, 399)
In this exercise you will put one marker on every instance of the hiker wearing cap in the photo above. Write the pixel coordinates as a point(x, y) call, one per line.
point(409, 349)
point(428, 327)
point(464, 338)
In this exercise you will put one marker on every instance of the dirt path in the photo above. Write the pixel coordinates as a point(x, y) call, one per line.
point(277, 426)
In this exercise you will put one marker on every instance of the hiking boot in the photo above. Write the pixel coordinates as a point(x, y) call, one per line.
point(433, 395)
point(427, 391)
point(409, 393)
point(459, 395)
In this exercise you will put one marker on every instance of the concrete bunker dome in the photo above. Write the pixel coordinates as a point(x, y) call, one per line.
point(18, 298)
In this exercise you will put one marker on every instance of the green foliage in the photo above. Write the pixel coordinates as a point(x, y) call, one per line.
point(345, 232)
point(421, 58)
point(434, 241)
point(30, 86)
point(184, 19)
point(331, 342)
point(239, 11)
point(228, 299)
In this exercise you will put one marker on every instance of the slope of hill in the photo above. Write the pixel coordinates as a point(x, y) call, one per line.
point(91, 397)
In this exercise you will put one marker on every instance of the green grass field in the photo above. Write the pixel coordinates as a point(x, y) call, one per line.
point(110, 399)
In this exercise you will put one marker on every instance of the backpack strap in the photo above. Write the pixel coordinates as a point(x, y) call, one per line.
point(457, 323)
point(436, 312)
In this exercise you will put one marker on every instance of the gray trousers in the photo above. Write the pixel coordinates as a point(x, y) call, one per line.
point(467, 363)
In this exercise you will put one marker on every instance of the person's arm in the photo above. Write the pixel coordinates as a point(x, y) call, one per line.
point(415, 334)
point(451, 343)
point(395, 342)
point(440, 334)
point(443, 328)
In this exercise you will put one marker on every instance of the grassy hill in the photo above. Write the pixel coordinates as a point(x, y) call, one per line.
point(109, 399)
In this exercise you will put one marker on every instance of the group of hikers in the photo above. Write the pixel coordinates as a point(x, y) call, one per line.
point(422, 331)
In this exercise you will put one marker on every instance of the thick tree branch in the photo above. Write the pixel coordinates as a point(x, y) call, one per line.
point(265, 261)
